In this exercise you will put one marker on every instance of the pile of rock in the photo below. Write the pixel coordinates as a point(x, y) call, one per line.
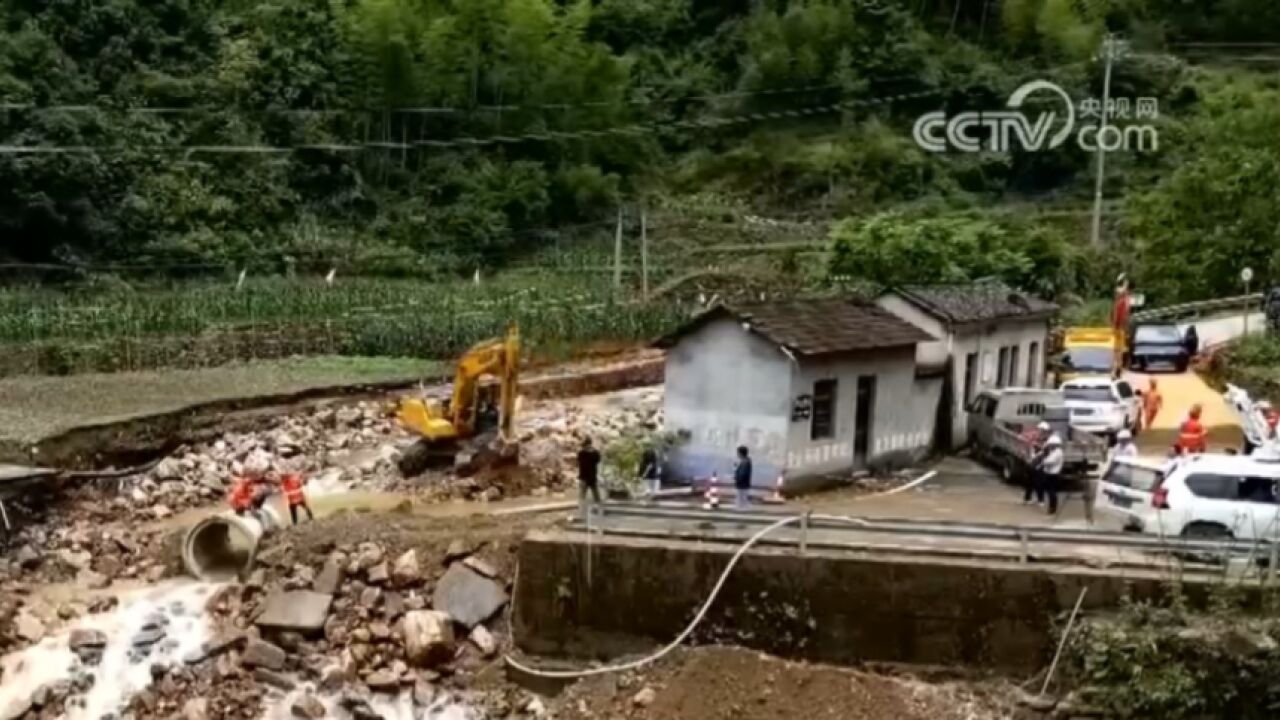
point(93, 554)
point(552, 434)
point(352, 444)
point(359, 624)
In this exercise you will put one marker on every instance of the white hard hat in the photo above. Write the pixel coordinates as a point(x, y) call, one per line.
point(1043, 425)
point(1124, 435)
point(1054, 439)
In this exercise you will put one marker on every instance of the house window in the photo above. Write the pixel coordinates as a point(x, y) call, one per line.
point(823, 425)
point(1013, 365)
point(1033, 366)
point(1002, 368)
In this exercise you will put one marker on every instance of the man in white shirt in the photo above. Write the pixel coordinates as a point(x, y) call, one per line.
point(1050, 462)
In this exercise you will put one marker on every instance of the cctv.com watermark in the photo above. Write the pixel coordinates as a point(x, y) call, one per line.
point(1116, 127)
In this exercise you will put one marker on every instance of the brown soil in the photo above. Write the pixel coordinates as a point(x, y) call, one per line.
point(724, 683)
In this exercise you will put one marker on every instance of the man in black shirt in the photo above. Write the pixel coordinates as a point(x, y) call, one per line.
point(742, 478)
point(588, 472)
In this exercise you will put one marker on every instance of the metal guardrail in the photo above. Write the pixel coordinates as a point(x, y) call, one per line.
point(1200, 307)
point(1022, 536)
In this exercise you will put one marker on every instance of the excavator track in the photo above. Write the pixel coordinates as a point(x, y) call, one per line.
point(427, 455)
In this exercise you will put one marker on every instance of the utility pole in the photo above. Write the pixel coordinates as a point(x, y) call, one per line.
point(617, 254)
point(644, 254)
point(1109, 53)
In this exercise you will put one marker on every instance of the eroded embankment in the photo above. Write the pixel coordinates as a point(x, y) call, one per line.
point(136, 440)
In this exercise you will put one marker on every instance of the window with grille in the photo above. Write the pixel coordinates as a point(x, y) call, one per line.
point(823, 424)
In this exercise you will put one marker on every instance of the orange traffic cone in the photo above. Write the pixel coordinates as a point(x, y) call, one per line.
point(776, 497)
point(712, 499)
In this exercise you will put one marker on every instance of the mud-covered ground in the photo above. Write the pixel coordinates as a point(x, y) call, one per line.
point(727, 683)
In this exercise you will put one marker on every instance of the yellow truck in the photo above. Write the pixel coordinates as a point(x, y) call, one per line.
point(1090, 351)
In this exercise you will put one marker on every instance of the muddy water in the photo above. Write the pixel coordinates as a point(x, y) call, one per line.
point(159, 625)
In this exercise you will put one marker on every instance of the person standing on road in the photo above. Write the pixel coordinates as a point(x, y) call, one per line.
point(1192, 435)
point(649, 471)
point(742, 479)
point(1036, 437)
point(1050, 463)
point(588, 472)
point(1151, 404)
point(1191, 339)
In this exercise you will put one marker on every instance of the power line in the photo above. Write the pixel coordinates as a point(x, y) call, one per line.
point(436, 110)
point(635, 129)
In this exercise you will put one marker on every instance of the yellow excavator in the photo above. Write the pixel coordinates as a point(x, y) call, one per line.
point(468, 422)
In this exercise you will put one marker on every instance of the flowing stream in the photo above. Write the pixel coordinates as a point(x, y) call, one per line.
point(158, 625)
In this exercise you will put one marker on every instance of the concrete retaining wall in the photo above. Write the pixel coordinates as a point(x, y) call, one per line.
point(829, 607)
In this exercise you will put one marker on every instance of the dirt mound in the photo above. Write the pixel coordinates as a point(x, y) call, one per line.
point(734, 684)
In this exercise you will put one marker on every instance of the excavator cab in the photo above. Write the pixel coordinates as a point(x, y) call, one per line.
point(481, 407)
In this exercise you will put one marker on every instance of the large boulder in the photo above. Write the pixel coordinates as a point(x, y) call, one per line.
point(262, 654)
point(467, 596)
point(300, 611)
point(428, 637)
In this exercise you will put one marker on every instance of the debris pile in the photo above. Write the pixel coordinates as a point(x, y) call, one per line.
point(359, 626)
point(552, 433)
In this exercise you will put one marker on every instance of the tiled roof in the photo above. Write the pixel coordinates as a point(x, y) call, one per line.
point(976, 302)
point(814, 327)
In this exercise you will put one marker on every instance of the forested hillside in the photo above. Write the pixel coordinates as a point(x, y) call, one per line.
point(172, 138)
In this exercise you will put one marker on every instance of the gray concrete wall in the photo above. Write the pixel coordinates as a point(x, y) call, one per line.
point(727, 387)
point(902, 419)
point(928, 354)
point(829, 606)
point(986, 341)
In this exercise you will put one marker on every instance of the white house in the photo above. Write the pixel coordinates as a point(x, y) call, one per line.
point(986, 336)
point(810, 387)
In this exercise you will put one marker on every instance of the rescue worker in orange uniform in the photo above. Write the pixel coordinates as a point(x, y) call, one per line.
point(242, 495)
point(1192, 435)
point(248, 491)
point(1151, 404)
point(291, 484)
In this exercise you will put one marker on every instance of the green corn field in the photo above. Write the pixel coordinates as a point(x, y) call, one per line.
point(53, 331)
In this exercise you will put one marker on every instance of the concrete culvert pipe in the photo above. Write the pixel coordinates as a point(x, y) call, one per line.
point(222, 547)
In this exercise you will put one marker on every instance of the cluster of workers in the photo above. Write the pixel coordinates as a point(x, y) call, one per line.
point(1045, 479)
point(260, 480)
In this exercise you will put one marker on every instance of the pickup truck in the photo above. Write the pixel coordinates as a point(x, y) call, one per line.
point(999, 425)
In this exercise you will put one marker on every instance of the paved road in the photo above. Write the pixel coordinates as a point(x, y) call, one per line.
point(1182, 390)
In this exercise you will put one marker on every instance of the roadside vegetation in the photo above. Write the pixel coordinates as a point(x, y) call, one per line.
point(1251, 362)
point(154, 151)
point(1146, 661)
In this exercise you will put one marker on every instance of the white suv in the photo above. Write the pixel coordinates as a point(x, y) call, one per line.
point(1202, 496)
point(1103, 406)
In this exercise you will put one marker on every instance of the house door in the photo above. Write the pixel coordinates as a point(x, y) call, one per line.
point(863, 417)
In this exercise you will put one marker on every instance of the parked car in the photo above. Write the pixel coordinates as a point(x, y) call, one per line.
point(1201, 496)
point(1103, 406)
point(999, 421)
point(1157, 344)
